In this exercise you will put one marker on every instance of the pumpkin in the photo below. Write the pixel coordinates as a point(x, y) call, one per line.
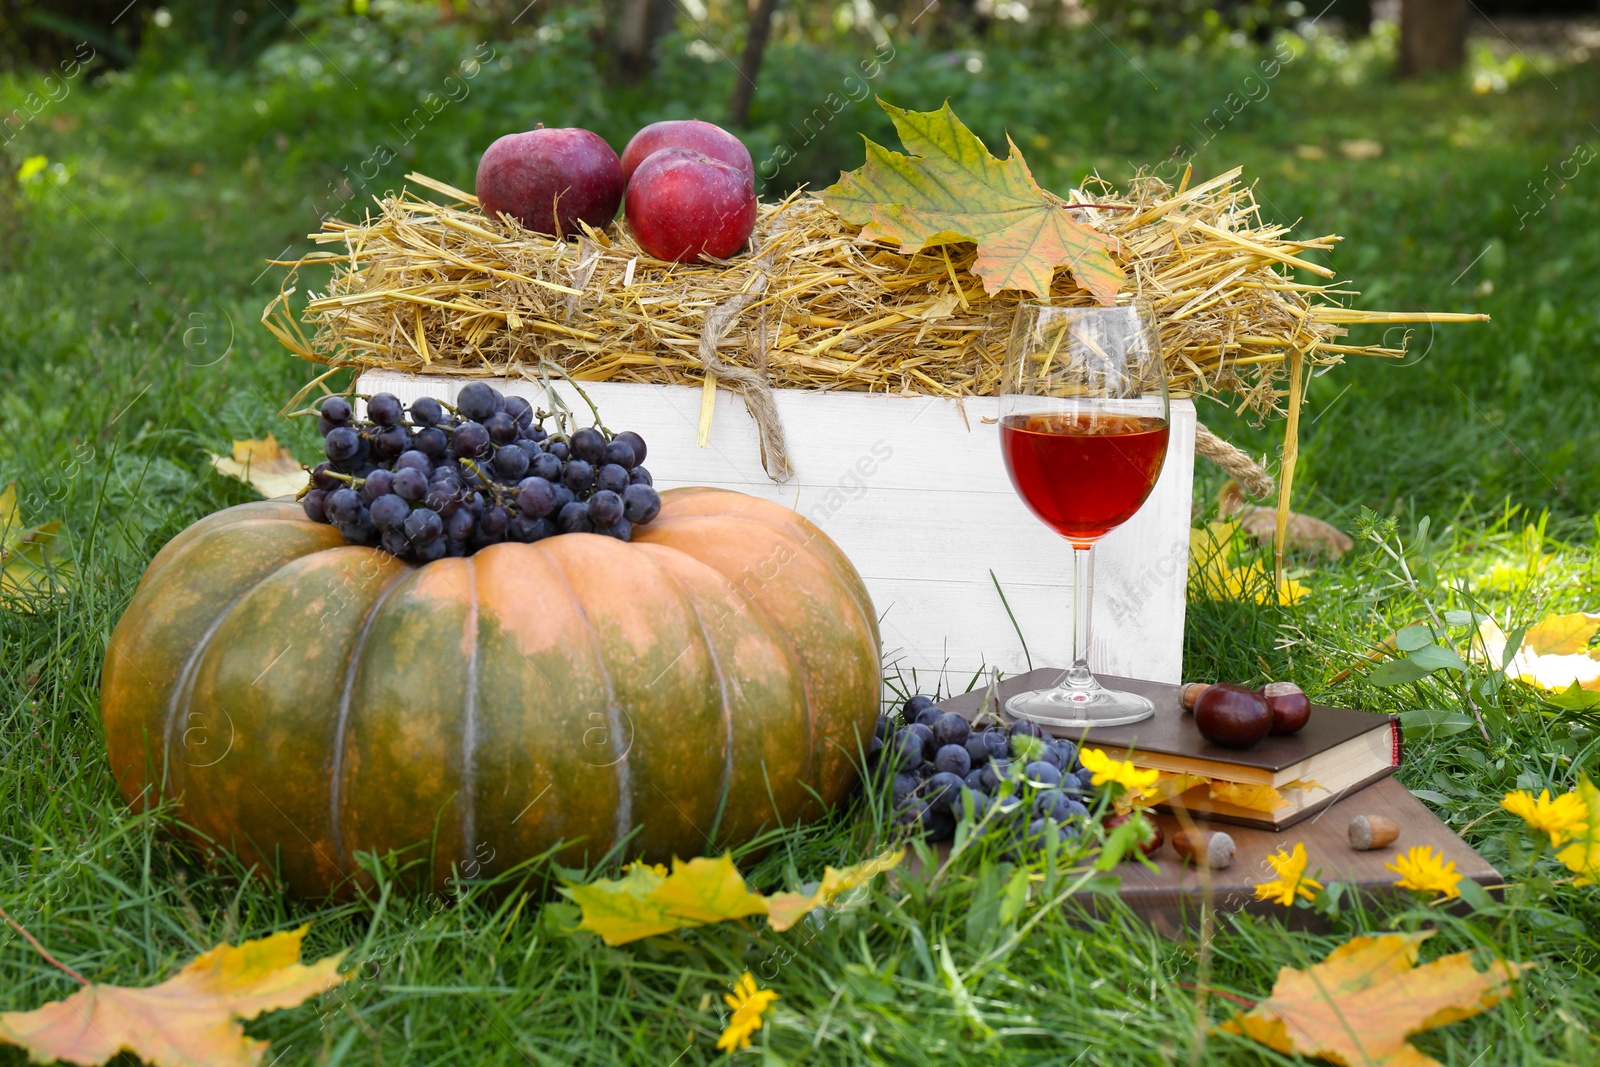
point(305, 700)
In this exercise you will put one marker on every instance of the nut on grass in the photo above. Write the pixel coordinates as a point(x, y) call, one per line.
point(1368, 832)
point(1214, 848)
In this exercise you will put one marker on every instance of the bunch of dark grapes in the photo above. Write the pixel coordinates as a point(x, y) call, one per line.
point(431, 481)
point(943, 770)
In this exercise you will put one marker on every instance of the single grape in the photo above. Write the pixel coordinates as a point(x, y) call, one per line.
point(974, 780)
point(359, 532)
point(314, 505)
point(427, 553)
point(951, 729)
point(559, 449)
point(546, 466)
point(343, 506)
point(520, 411)
point(589, 445)
point(1085, 781)
point(904, 786)
point(994, 772)
point(460, 526)
point(444, 496)
point(954, 759)
point(574, 518)
point(423, 525)
point(885, 728)
point(605, 508)
point(622, 530)
point(907, 749)
point(612, 477)
point(322, 477)
point(502, 428)
point(640, 476)
point(389, 512)
point(414, 460)
point(579, 475)
point(922, 731)
point(494, 522)
point(539, 433)
point(394, 542)
point(977, 750)
point(1024, 728)
point(942, 790)
point(620, 453)
point(510, 462)
point(409, 484)
point(1042, 775)
point(528, 530)
point(973, 804)
point(912, 816)
point(529, 445)
point(476, 401)
point(342, 444)
point(999, 744)
point(536, 497)
point(426, 412)
point(379, 483)
point(1048, 754)
point(390, 442)
point(432, 443)
point(928, 716)
point(941, 826)
point(336, 409)
point(385, 409)
point(455, 549)
point(915, 705)
point(635, 442)
point(470, 440)
point(499, 399)
point(1066, 754)
point(1076, 811)
point(641, 503)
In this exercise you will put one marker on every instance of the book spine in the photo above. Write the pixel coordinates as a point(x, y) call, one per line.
point(1398, 745)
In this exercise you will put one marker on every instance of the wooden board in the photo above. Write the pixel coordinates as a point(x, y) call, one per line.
point(914, 490)
point(1170, 897)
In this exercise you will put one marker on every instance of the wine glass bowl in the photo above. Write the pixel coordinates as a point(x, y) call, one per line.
point(1083, 430)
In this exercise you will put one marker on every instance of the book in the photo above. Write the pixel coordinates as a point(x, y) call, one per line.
point(1338, 752)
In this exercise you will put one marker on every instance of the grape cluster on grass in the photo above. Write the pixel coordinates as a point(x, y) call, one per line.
point(943, 769)
point(434, 481)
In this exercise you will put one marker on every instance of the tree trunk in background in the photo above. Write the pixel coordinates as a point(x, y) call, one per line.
point(755, 44)
point(642, 24)
point(1433, 36)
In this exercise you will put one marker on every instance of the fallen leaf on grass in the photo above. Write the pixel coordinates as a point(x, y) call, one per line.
point(28, 555)
point(1556, 656)
point(190, 1020)
point(1213, 575)
point(1358, 1006)
point(949, 188)
point(1304, 532)
point(266, 465)
point(647, 901)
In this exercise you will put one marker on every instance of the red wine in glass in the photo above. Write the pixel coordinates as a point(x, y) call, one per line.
point(1083, 474)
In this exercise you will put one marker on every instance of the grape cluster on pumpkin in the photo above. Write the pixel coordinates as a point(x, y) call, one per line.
point(434, 481)
point(944, 769)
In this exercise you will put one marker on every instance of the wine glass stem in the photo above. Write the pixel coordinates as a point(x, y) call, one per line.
point(1079, 676)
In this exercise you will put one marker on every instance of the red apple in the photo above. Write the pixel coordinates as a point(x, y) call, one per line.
point(682, 205)
point(703, 137)
point(550, 180)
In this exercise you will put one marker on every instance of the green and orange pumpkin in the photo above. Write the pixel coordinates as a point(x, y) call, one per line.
point(305, 700)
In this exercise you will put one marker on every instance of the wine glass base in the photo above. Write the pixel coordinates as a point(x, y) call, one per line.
point(1075, 708)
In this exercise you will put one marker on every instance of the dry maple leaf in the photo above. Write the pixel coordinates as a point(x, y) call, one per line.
point(1304, 532)
point(1358, 1006)
point(266, 465)
point(28, 555)
point(190, 1020)
point(786, 909)
point(1556, 655)
point(949, 189)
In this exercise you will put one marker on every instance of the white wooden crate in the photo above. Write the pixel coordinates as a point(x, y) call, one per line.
point(915, 492)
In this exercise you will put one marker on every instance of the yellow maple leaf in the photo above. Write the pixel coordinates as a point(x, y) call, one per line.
point(786, 909)
point(1254, 796)
point(29, 563)
point(266, 465)
point(1555, 656)
point(1358, 1006)
point(190, 1020)
point(1213, 575)
point(643, 903)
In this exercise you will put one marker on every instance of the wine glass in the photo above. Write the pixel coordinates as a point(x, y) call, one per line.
point(1083, 426)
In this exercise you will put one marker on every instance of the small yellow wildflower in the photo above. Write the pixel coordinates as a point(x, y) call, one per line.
point(1290, 867)
point(1121, 772)
point(1582, 856)
point(1426, 871)
point(747, 1003)
point(1561, 818)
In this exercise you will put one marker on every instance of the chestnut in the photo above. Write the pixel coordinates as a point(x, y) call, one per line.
point(1232, 715)
point(1291, 710)
point(1153, 837)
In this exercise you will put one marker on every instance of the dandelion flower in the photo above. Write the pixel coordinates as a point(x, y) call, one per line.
point(1290, 867)
point(1105, 769)
point(747, 1003)
point(1426, 871)
point(1561, 818)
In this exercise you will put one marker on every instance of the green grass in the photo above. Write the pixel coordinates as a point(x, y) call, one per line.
point(129, 347)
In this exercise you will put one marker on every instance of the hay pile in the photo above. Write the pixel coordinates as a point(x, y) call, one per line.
point(427, 287)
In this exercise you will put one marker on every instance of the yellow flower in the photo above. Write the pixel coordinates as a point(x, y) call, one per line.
point(1582, 857)
point(1290, 867)
point(1121, 772)
point(747, 1003)
point(1561, 818)
point(1426, 871)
